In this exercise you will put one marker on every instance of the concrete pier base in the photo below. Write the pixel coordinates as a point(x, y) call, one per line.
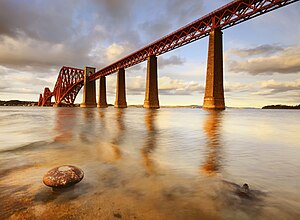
point(151, 94)
point(102, 103)
point(120, 90)
point(89, 89)
point(214, 91)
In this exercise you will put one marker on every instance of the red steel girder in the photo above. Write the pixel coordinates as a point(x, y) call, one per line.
point(231, 14)
point(68, 85)
point(40, 100)
point(46, 100)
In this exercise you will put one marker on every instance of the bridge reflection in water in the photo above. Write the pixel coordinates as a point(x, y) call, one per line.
point(119, 134)
point(150, 141)
point(110, 127)
point(212, 128)
point(64, 123)
point(153, 164)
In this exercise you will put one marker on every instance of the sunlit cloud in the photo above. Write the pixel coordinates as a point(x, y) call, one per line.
point(114, 52)
point(274, 87)
point(281, 60)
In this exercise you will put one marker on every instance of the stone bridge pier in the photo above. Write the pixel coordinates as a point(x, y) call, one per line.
point(102, 103)
point(151, 93)
point(121, 90)
point(89, 89)
point(214, 91)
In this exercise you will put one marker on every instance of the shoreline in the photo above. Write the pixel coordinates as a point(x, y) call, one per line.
point(19, 103)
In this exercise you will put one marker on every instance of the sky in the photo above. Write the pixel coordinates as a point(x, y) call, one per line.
point(38, 37)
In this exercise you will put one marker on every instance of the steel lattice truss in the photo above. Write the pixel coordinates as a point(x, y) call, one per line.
point(68, 84)
point(70, 80)
point(224, 17)
point(46, 101)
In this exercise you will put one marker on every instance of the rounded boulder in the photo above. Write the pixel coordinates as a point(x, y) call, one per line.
point(63, 176)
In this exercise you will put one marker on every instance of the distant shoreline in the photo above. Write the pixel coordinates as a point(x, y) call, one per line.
point(17, 103)
point(32, 103)
point(279, 106)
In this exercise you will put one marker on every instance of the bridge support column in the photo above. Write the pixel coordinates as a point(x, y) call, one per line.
point(151, 94)
point(89, 89)
point(102, 93)
point(120, 90)
point(56, 105)
point(214, 91)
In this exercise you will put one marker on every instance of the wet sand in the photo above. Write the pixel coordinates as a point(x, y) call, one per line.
point(108, 194)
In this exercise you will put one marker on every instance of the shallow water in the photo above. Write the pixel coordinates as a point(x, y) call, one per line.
point(151, 164)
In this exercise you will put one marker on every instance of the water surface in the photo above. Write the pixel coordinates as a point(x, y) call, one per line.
point(151, 164)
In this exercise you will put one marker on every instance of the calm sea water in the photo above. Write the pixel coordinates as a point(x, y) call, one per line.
point(143, 164)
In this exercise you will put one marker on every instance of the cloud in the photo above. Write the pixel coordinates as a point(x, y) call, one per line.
point(274, 87)
point(265, 49)
point(265, 87)
point(239, 87)
point(37, 20)
point(21, 82)
point(281, 60)
point(169, 86)
point(157, 28)
point(173, 60)
point(185, 10)
point(40, 35)
point(19, 91)
point(114, 52)
point(166, 85)
point(169, 15)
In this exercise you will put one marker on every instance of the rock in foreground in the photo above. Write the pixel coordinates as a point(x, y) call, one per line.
point(63, 176)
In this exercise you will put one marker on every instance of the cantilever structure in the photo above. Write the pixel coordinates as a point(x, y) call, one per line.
point(229, 15)
point(71, 80)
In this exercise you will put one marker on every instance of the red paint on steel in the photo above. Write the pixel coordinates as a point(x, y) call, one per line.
point(70, 80)
point(231, 14)
point(68, 84)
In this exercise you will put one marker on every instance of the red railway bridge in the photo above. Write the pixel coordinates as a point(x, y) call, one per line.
point(71, 80)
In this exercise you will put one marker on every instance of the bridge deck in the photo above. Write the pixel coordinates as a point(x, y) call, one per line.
point(231, 14)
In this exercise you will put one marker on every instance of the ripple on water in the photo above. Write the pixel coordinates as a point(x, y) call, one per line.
point(164, 164)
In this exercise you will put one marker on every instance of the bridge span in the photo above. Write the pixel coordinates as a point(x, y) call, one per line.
point(71, 80)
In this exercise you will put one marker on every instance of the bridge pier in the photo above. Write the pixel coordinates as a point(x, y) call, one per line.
point(102, 103)
point(151, 93)
point(120, 90)
point(214, 91)
point(89, 89)
point(56, 105)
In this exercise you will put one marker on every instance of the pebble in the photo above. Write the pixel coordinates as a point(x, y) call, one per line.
point(63, 176)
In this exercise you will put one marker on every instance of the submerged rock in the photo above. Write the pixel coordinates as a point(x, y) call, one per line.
point(63, 176)
point(244, 192)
